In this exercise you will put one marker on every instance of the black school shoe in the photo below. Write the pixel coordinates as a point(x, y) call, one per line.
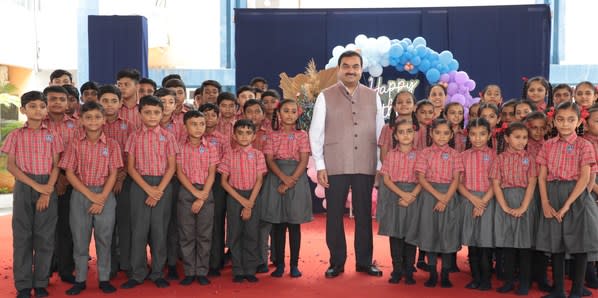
point(214, 272)
point(251, 278)
point(129, 284)
point(202, 280)
point(187, 280)
point(24, 293)
point(161, 283)
point(107, 287)
point(172, 273)
point(76, 289)
point(238, 278)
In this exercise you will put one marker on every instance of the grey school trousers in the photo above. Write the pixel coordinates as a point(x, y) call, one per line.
point(33, 235)
point(195, 232)
point(149, 221)
point(82, 224)
point(242, 236)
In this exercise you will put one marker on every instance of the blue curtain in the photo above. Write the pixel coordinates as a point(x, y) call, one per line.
point(116, 42)
point(493, 44)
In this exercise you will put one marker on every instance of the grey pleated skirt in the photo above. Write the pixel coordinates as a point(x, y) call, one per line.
point(477, 231)
point(294, 206)
point(578, 232)
point(513, 232)
point(394, 220)
point(439, 232)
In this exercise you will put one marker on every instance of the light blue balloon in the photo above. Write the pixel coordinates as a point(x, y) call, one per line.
point(399, 67)
point(424, 65)
point(421, 50)
point(432, 75)
point(396, 50)
point(433, 57)
point(407, 40)
point(445, 57)
point(403, 59)
point(404, 44)
point(407, 55)
point(414, 71)
point(416, 60)
point(453, 65)
point(394, 41)
point(419, 41)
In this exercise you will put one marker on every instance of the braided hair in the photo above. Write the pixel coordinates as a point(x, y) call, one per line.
point(581, 129)
point(498, 136)
point(275, 123)
point(418, 106)
point(461, 124)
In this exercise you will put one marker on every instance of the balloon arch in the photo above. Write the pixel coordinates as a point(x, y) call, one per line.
point(410, 56)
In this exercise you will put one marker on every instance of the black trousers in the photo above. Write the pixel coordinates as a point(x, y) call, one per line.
point(336, 195)
point(280, 237)
point(218, 231)
point(65, 264)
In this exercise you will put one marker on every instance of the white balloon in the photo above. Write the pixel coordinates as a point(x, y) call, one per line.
point(375, 70)
point(360, 40)
point(338, 50)
point(383, 44)
point(351, 47)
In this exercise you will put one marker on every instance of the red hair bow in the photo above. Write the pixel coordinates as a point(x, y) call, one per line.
point(550, 114)
point(584, 114)
point(524, 79)
point(501, 129)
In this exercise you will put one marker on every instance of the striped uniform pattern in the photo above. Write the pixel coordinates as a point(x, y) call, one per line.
point(243, 165)
point(564, 158)
point(194, 160)
point(132, 115)
point(400, 166)
point(513, 168)
point(287, 145)
point(151, 148)
point(67, 128)
point(477, 164)
point(439, 163)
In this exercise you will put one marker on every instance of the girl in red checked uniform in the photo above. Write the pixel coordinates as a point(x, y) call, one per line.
point(397, 209)
point(570, 215)
point(402, 109)
point(438, 168)
point(514, 178)
point(478, 206)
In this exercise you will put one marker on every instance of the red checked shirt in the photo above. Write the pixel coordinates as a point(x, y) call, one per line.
point(261, 136)
point(439, 163)
point(513, 168)
point(385, 139)
point(34, 149)
point(564, 158)
point(195, 160)
point(477, 163)
point(92, 162)
point(119, 130)
point(267, 124)
point(225, 127)
point(243, 165)
point(594, 140)
point(460, 141)
point(67, 128)
point(287, 145)
point(419, 142)
point(218, 140)
point(151, 149)
point(176, 128)
point(132, 115)
point(400, 166)
point(533, 147)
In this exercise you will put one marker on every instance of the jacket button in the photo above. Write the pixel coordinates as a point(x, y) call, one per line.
point(354, 113)
point(355, 123)
point(353, 102)
point(355, 135)
point(355, 147)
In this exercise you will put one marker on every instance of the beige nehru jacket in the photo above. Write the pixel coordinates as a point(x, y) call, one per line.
point(344, 136)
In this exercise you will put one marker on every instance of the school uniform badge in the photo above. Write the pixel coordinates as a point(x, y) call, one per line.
point(569, 148)
point(411, 156)
point(162, 138)
point(291, 137)
point(70, 124)
point(202, 150)
point(250, 155)
point(214, 141)
point(123, 126)
point(445, 156)
point(525, 161)
point(104, 152)
point(49, 138)
point(486, 157)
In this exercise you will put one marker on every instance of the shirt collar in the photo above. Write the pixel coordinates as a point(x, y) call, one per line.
point(344, 88)
point(83, 136)
point(570, 139)
point(156, 129)
point(203, 141)
point(443, 149)
point(244, 149)
point(591, 138)
point(541, 106)
point(520, 152)
point(41, 126)
point(118, 117)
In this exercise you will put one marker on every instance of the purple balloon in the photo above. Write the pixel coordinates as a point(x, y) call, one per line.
point(458, 98)
point(444, 77)
point(461, 77)
point(471, 85)
point(452, 75)
point(463, 89)
point(452, 88)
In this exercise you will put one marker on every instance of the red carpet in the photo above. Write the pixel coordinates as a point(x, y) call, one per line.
point(313, 263)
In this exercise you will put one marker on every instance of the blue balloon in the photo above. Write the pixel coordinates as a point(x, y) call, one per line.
point(399, 67)
point(407, 40)
point(403, 59)
point(419, 41)
point(421, 50)
point(433, 57)
point(407, 55)
point(396, 50)
point(394, 41)
point(445, 57)
point(414, 71)
point(416, 60)
point(453, 65)
point(424, 65)
point(433, 75)
point(404, 44)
